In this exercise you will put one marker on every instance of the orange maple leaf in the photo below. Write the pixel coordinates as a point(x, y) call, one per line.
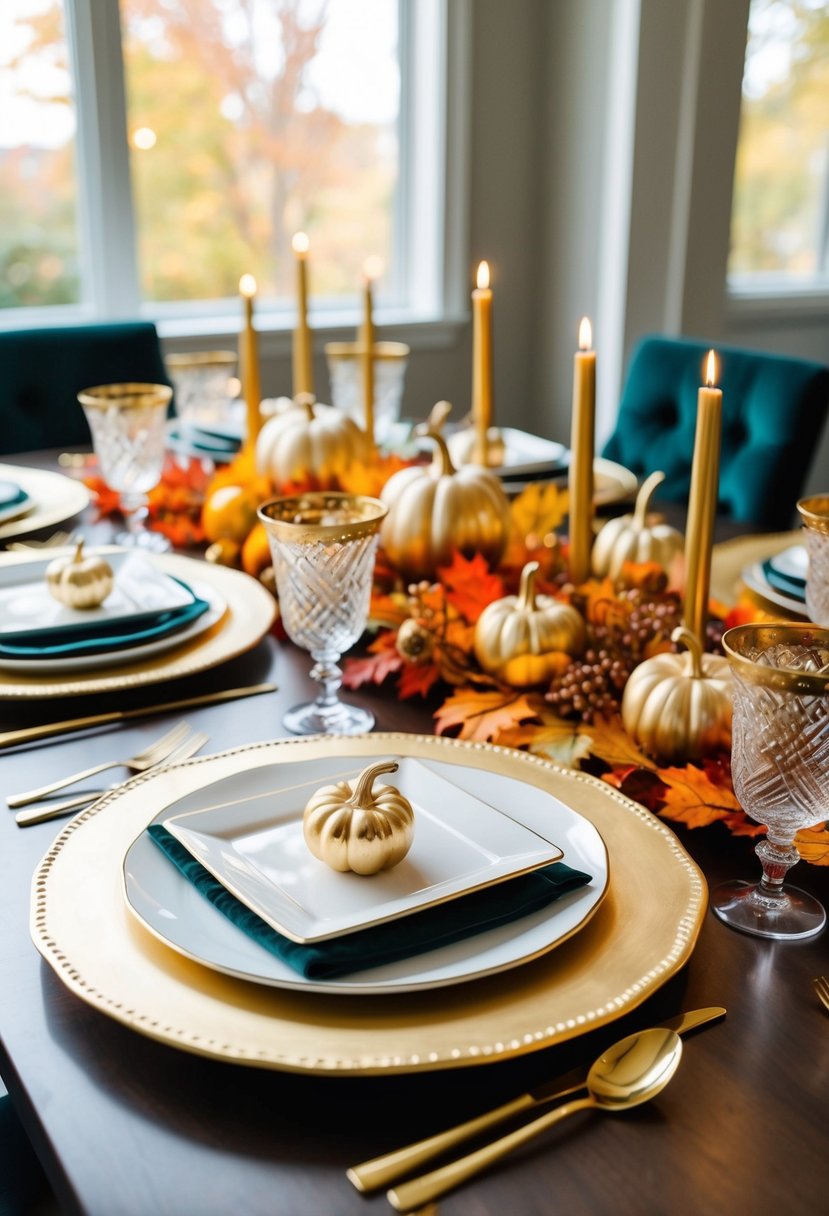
point(470, 585)
point(369, 477)
point(382, 661)
point(482, 715)
point(416, 679)
point(694, 799)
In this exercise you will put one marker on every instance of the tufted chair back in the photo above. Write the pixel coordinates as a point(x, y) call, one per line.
point(42, 370)
point(774, 408)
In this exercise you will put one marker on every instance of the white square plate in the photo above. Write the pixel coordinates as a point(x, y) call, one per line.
point(255, 847)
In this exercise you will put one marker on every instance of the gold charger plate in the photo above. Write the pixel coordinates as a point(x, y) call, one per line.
point(250, 613)
point(642, 934)
point(55, 498)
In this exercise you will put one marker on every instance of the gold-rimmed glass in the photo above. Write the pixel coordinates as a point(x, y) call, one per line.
point(346, 369)
point(780, 768)
point(814, 513)
point(128, 425)
point(204, 382)
point(323, 547)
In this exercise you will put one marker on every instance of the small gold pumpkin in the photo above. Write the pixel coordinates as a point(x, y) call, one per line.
point(434, 509)
point(521, 638)
point(309, 441)
point(78, 581)
point(365, 830)
point(630, 538)
point(678, 706)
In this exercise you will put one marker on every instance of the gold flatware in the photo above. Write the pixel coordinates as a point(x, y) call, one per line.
point(159, 750)
point(55, 541)
point(629, 1073)
point(55, 810)
point(390, 1167)
point(822, 989)
point(29, 734)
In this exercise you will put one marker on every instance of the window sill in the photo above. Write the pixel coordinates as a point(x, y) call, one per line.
point(777, 305)
point(275, 331)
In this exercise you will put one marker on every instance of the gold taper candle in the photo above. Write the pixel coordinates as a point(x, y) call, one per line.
point(249, 359)
point(582, 442)
point(702, 502)
point(303, 370)
point(372, 270)
point(482, 363)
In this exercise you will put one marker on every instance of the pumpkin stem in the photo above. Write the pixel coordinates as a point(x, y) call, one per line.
point(438, 414)
point(691, 642)
point(362, 790)
point(78, 554)
point(526, 591)
point(447, 469)
point(643, 498)
point(306, 401)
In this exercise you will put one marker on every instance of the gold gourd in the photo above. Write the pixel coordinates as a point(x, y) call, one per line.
point(521, 638)
point(364, 830)
point(309, 442)
point(435, 509)
point(678, 706)
point(630, 538)
point(78, 581)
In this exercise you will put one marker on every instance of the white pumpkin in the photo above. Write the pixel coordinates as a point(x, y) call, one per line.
point(309, 442)
point(630, 538)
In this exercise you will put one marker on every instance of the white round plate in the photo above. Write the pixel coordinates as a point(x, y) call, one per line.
point(170, 907)
point(53, 499)
point(757, 582)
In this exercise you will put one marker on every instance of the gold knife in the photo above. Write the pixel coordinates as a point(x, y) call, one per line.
point(28, 734)
point(389, 1168)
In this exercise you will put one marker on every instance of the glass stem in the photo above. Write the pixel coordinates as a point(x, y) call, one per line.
point(135, 510)
point(326, 672)
point(777, 856)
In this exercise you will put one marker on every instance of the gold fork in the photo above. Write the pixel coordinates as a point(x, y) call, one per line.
point(822, 989)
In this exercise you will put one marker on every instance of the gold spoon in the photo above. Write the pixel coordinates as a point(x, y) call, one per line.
point(632, 1071)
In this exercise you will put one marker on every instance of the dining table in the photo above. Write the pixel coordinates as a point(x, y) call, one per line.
point(126, 1124)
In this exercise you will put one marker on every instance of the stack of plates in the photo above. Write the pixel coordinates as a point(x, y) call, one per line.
point(780, 580)
point(33, 499)
point(168, 616)
point(151, 952)
point(219, 442)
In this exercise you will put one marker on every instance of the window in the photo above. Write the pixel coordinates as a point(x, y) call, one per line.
point(246, 121)
point(780, 214)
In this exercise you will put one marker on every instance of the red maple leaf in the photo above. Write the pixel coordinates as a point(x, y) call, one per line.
point(381, 662)
point(417, 678)
point(470, 585)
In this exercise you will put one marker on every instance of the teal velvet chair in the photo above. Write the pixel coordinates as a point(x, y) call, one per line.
point(774, 409)
point(42, 370)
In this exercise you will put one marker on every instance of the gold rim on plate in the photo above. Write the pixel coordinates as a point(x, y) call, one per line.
point(643, 933)
point(248, 617)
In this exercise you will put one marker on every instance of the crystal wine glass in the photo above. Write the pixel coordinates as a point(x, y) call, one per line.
point(780, 768)
point(814, 512)
point(128, 425)
point(323, 547)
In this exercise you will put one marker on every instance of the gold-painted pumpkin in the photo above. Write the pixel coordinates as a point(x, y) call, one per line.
point(463, 443)
point(678, 706)
point(630, 538)
point(521, 638)
point(309, 442)
point(364, 830)
point(435, 509)
point(78, 581)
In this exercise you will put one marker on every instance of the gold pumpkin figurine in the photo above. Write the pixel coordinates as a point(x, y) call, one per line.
point(678, 706)
point(520, 639)
point(630, 538)
point(435, 509)
point(364, 830)
point(78, 581)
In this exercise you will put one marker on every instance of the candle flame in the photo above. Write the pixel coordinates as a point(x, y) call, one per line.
point(247, 285)
point(372, 268)
point(300, 243)
point(711, 369)
point(585, 334)
point(482, 279)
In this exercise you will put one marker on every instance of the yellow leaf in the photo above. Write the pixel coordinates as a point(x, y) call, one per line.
point(535, 514)
point(567, 743)
point(813, 844)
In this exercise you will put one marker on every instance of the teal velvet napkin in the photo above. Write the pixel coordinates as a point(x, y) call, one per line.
point(788, 584)
point(393, 940)
point(100, 635)
point(11, 495)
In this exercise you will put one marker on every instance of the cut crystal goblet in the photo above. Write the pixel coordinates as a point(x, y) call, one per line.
point(780, 768)
point(323, 547)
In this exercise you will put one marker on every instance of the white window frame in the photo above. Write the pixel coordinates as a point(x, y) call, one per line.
point(431, 207)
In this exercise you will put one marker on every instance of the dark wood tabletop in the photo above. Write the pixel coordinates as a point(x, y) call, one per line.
point(126, 1126)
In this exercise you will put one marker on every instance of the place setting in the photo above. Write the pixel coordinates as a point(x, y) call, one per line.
point(32, 500)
